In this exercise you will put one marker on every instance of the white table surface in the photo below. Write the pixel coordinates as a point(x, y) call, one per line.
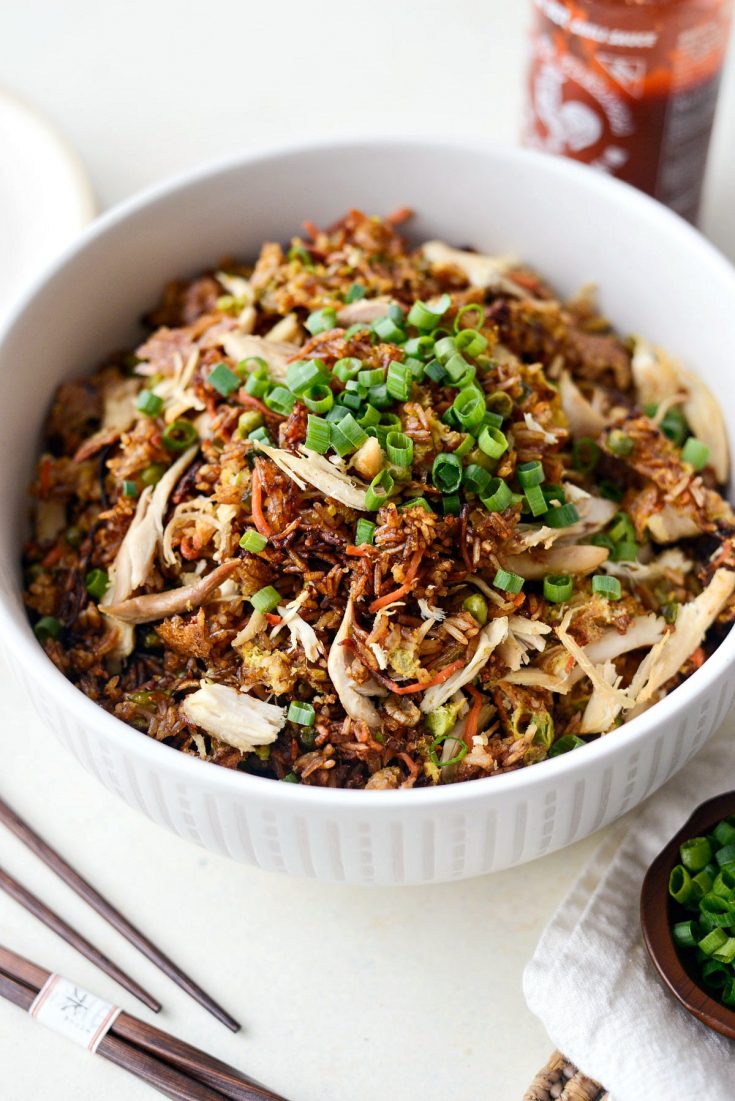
point(345, 993)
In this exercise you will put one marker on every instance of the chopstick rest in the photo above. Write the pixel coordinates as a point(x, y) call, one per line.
point(73, 1012)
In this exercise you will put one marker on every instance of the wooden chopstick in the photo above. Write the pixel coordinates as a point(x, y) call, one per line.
point(168, 1081)
point(105, 909)
point(198, 1064)
point(39, 909)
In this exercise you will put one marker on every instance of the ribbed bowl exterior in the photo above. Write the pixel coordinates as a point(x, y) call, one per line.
point(570, 222)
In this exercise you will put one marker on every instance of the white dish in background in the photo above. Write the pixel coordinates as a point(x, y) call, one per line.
point(657, 276)
point(45, 197)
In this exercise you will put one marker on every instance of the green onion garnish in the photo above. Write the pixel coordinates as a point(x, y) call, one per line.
point(371, 376)
point(530, 474)
point(445, 348)
point(301, 713)
point(179, 435)
point(446, 473)
point(458, 370)
point(417, 502)
point(290, 778)
point(129, 489)
point(48, 626)
point(248, 422)
point(149, 403)
point(379, 490)
point(585, 455)
point(509, 582)
point(451, 504)
point(476, 479)
point(152, 474)
point(607, 586)
point(695, 453)
point(566, 745)
point(370, 416)
point(497, 496)
point(398, 381)
point(318, 434)
point(364, 532)
point(469, 406)
point(501, 403)
point(493, 442)
point(627, 551)
point(266, 599)
point(399, 447)
point(96, 583)
point(347, 368)
point(562, 517)
point(435, 371)
point(280, 400)
point(470, 342)
point(461, 752)
point(302, 374)
point(355, 293)
point(258, 384)
point(425, 317)
point(253, 541)
point(347, 435)
point(319, 398)
point(223, 380)
point(321, 321)
point(388, 331)
point(697, 852)
point(620, 443)
point(261, 434)
point(420, 346)
point(558, 588)
point(536, 501)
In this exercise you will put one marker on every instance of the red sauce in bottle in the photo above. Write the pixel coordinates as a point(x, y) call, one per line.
point(630, 87)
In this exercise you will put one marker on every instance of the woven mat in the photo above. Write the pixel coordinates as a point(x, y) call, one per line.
point(560, 1080)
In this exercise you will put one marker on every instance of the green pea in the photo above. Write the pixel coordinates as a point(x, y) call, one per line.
point(476, 605)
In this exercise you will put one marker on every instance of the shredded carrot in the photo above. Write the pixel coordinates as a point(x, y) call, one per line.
point(439, 678)
point(44, 476)
point(412, 767)
point(273, 619)
point(473, 718)
point(255, 403)
point(402, 590)
point(311, 229)
point(257, 505)
point(399, 216)
point(53, 556)
point(357, 552)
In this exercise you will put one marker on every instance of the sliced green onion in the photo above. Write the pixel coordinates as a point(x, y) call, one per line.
point(301, 713)
point(530, 474)
point(554, 493)
point(715, 975)
point(388, 331)
point(714, 940)
point(346, 368)
point(298, 252)
point(370, 416)
point(129, 489)
point(723, 833)
point(347, 435)
point(536, 500)
point(252, 365)
point(379, 396)
point(451, 504)
point(318, 434)
point(153, 474)
point(696, 853)
point(470, 342)
point(674, 426)
point(261, 434)
point(302, 374)
point(685, 934)
point(607, 586)
point(319, 398)
point(399, 447)
point(508, 581)
point(476, 479)
point(253, 541)
point(435, 371)
point(680, 884)
point(379, 490)
point(224, 380)
point(258, 384)
point(446, 472)
point(48, 626)
point(471, 307)
point(417, 502)
point(501, 403)
point(561, 517)
point(97, 583)
point(321, 321)
point(398, 381)
point(458, 370)
point(610, 491)
point(290, 778)
point(355, 293)
point(467, 445)
point(461, 752)
point(371, 376)
point(280, 400)
point(725, 855)
point(420, 346)
point(469, 406)
point(558, 588)
point(565, 745)
point(364, 532)
point(622, 529)
point(248, 422)
point(266, 599)
point(179, 435)
point(620, 443)
point(425, 317)
point(150, 404)
point(695, 453)
point(493, 442)
point(585, 455)
point(476, 605)
point(625, 552)
point(497, 496)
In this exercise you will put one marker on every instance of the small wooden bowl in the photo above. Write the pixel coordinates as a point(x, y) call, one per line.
point(657, 915)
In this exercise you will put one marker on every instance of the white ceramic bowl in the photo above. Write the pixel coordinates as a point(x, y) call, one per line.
point(657, 277)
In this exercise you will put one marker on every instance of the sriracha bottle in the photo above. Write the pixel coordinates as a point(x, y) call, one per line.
point(630, 87)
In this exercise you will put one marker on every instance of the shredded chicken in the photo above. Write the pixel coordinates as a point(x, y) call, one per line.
point(310, 468)
point(490, 637)
point(240, 720)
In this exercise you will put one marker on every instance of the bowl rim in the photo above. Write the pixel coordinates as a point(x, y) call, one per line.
point(23, 647)
point(655, 925)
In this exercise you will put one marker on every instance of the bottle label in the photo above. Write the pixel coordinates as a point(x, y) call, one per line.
point(72, 1011)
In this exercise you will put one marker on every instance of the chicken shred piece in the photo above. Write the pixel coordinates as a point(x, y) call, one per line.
point(234, 717)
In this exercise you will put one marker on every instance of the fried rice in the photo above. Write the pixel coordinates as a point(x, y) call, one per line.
point(367, 515)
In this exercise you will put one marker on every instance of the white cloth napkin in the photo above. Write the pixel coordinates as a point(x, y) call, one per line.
point(590, 980)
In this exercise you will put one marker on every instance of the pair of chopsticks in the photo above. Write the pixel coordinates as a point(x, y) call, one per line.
point(174, 1068)
point(86, 891)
